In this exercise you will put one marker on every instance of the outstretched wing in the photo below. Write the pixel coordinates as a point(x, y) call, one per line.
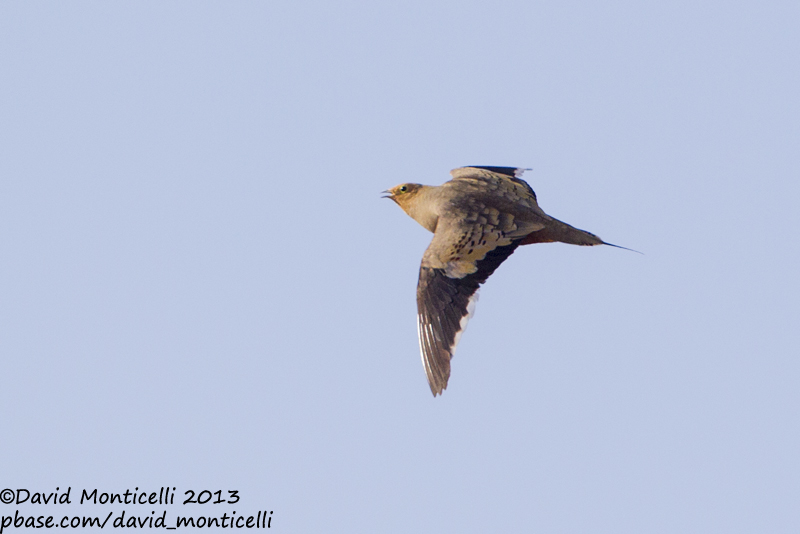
point(444, 306)
point(467, 247)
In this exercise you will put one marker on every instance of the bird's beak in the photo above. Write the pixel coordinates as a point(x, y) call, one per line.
point(387, 194)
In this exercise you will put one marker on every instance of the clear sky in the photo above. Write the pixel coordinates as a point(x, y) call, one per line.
point(201, 288)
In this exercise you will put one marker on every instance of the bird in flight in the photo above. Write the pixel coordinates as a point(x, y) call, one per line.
point(478, 219)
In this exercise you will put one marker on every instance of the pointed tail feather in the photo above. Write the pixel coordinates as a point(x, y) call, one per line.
point(557, 231)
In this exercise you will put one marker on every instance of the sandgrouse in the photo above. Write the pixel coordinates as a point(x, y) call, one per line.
point(478, 219)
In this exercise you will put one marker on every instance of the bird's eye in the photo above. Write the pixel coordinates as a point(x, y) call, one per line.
point(403, 188)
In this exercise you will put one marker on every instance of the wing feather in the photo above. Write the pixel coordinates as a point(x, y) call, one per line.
point(444, 306)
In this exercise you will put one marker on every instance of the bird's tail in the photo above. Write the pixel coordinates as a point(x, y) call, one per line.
point(557, 231)
point(562, 233)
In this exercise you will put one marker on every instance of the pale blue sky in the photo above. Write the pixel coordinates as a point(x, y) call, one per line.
point(201, 286)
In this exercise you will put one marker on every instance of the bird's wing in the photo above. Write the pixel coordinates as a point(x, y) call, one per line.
point(468, 245)
point(504, 182)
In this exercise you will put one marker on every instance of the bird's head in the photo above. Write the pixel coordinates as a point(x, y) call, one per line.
point(402, 194)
